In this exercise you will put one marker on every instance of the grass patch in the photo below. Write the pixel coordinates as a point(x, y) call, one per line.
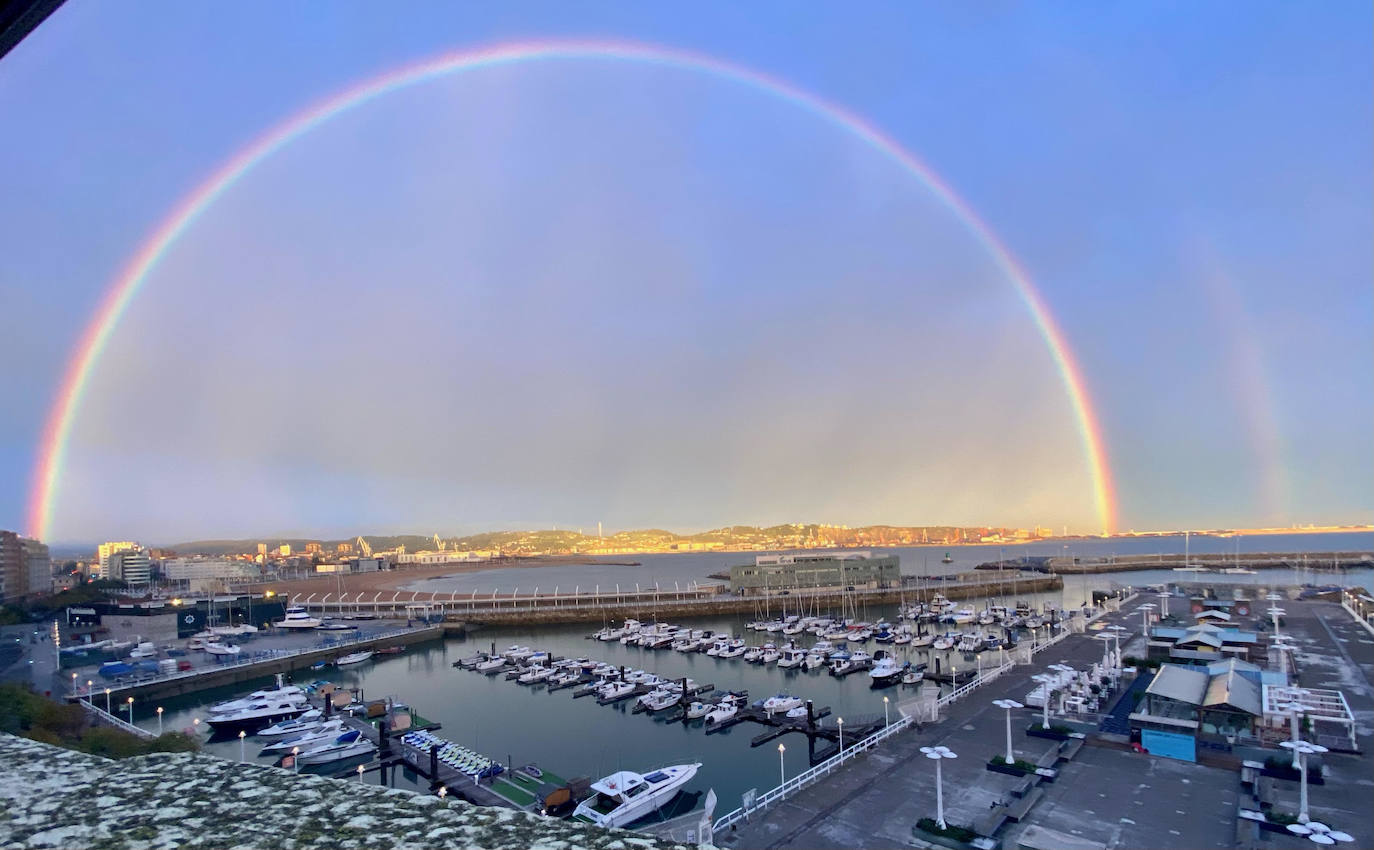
point(512, 792)
point(1019, 764)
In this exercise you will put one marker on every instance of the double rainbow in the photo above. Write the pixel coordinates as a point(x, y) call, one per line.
point(61, 417)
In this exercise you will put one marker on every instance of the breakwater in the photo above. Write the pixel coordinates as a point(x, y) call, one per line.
point(546, 610)
point(1333, 562)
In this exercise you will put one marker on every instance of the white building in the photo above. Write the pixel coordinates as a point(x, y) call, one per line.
point(105, 550)
point(196, 569)
point(131, 567)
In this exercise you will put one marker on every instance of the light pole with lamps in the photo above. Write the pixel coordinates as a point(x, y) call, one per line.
point(107, 702)
point(885, 720)
point(839, 721)
point(159, 721)
point(1293, 708)
point(1008, 704)
point(939, 754)
point(782, 766)
point(131, 711)
point(1047, 681)
point(243, 737)
point(1301, 750)
point(360, 773)
point(1145, 618)
point(90, 688)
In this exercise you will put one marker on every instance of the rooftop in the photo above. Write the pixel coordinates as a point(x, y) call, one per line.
point(54, 797)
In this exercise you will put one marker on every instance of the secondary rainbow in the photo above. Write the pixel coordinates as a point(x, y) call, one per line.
point(58, 427)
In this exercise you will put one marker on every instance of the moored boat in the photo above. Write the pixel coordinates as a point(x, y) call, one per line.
point(626, 796)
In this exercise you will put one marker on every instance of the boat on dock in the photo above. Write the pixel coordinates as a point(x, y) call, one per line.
point(312, 736)
point(304, 723)
point(297, 618)
point(886, 672)
point(626, 796)
point(350, 744)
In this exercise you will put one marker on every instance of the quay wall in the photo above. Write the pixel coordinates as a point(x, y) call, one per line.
point(1326, 562)
point(215, 677)
point(531, 613)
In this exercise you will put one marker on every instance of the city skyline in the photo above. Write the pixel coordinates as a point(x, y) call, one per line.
point(656, 293)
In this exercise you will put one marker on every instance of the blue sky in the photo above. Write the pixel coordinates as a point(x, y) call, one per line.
point(563, 294)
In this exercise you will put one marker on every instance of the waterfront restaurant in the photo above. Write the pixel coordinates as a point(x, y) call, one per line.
point(819, 571)
point(1332, 721)
point(1183, 705)
point(1203, 643)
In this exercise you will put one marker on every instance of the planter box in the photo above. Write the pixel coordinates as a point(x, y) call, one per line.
point(1008, 769)
point(1036, 732)
point(1314, 777)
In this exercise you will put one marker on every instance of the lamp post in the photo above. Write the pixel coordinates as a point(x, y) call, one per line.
point(782, 766)
point(1164, 603)
point(1145, 618)
point(107, 702)
point(243, 737)
point(443, 791)
point(1294, 707)
point(74, 690)
point(131, 711)
point(1008, 704)
point(939, 754)
point(90, 687)
point(839, 721)
point(1301, 750)
point(1049, 681)
point(159, 721)
point(885, 720)
point(360, 773)
point(296, 759)
point(195, 725)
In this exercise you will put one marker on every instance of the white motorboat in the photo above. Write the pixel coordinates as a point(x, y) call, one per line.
point(791, 657)
point(348, 745)
point(281, 690)
point(313, 736)
point(353, 658)
point(697, 710)
point(660, 700)
point(222, 650)
point(781, 703)
point(259, 712)
point(753, 655)
point(942, 642)
point(310, 720)
point(912, 676)
point(616, 691)
point(969, 642)
point(492, 665)
point(624, 797)
point(721, 713)
point(923, 640)
point(146, 649)
point(812, 661)
point(297, 618)
point(886, 671)
point(535, 675)
point(796, 713)
point(516, 654)
point(732, 651)
point(770, 654)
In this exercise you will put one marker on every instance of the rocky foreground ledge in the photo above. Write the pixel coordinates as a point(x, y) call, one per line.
point(52, 797)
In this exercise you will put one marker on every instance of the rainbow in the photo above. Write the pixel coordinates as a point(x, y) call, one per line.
point(58, 426)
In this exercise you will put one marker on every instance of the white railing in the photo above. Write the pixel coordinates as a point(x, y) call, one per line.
point(259, 657)
point(1352, 612)
point(969, 687)
point(107, 718)
point(801, 780)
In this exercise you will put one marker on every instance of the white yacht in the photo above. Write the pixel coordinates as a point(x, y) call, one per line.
point(261, 712)
point(345, 746)
point(353, 658)
point(311, 719)
point(314, 735)
point(626, 796)
point(281, 690)
point(721, 713)
point(885, 672)
point(791, 657)
point(297, 618)
point(781, 703)
point(222, 650)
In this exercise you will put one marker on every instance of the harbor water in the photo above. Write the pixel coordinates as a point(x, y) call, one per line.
point(520, 724)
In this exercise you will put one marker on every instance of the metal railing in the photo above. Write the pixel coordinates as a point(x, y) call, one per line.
point(262, 656)
point(103, 716)
point(969, 687)
point(1358, 619)
point(801, 780)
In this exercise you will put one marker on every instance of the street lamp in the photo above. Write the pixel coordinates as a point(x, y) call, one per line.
point(360, 773)
point(1294, 707)
point(885, 720)
point(159, 721)
point(107, 702)
point(782, 766)
point(1048, 682)
point(839, 721)
point(131, 711)
point(296, 759)
point(1008, 704)
point(89, 687)
point(243, 736)
point(938, 754)
point(443, 791)
point(195, 725)
point(1145, 618)
point(1301, 750)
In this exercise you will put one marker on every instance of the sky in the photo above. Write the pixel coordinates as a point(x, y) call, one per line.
point(569, 291)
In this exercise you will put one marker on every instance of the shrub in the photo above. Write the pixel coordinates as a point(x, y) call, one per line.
point(958, 833)
point(1020, 764)
point(23, 712)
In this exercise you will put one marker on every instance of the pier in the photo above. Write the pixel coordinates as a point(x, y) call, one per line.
point(581, 605)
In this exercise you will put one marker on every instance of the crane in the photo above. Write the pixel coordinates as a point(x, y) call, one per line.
point(364, 547)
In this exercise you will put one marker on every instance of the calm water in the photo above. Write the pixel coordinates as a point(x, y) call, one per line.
point(578, 737)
